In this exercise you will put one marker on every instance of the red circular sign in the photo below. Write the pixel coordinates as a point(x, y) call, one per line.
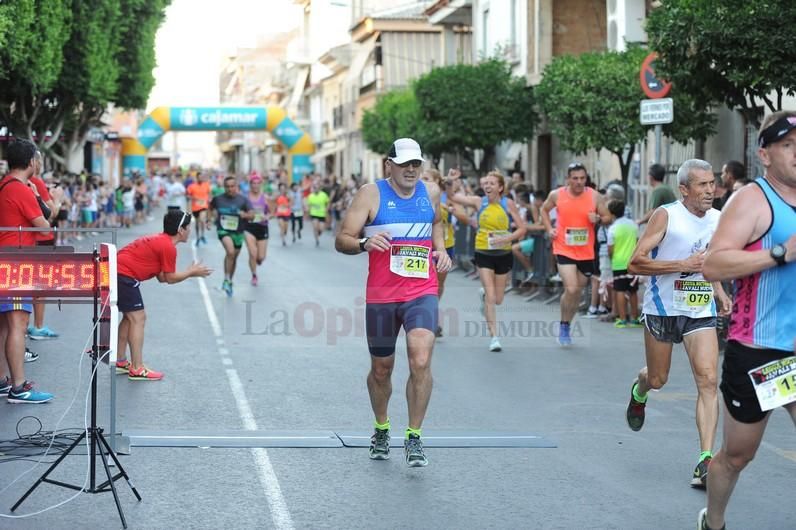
point(652, 86)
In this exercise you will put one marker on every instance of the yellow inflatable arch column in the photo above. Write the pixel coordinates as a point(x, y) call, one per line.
point(299, 144)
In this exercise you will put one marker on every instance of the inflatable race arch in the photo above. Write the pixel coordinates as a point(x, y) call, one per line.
point(298, 143)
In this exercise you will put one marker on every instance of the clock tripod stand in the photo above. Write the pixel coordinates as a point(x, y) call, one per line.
point(97, 444)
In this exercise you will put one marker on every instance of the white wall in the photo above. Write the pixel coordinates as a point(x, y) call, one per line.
point(506, 26)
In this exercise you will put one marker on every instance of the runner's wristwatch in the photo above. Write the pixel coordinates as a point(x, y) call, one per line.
point(362, 243)
point(778, 253)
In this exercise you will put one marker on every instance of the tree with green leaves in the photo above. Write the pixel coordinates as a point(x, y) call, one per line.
point(66, 61)
point(397, 115)
point(736, 52)
point(467, 108)
point(592, 100)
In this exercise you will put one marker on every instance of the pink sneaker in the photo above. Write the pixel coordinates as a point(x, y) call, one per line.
point(144, 374)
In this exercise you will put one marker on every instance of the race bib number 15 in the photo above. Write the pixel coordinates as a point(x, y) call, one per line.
point(775, 383)
point(410, 261)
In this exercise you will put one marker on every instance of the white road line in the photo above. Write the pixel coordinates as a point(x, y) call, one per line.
point(223, 351)
point(226, 361)
point(211, 313)
point(273, 492)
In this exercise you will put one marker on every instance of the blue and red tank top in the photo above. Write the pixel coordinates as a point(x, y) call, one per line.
point(763, 311)
point(407, 271)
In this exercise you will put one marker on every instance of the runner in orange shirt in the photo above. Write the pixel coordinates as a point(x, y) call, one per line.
point(199, 193)
point(579, 208)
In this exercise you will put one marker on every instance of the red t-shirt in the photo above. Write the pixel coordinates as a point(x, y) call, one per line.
point(18, 207)
point(147, 256)
point(44, 193)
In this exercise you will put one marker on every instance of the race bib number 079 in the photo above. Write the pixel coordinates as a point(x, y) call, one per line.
point(775, 383)
point(692, 295)
point(410, 261)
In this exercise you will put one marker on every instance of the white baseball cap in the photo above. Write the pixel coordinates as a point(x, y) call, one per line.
point(403, 150)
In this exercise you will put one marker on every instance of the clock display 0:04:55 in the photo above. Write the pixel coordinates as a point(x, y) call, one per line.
point(20, 275)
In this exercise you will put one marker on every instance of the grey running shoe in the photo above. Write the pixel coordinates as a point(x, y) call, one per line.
point(413, 449)
point(380, 444)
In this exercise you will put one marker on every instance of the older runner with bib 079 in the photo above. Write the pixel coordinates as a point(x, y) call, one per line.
point(679, 304)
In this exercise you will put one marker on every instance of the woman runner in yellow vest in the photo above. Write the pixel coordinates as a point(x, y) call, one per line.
point(493, 243)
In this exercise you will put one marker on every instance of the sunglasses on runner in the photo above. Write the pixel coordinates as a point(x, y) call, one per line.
point(576, 165)
point(414, 163)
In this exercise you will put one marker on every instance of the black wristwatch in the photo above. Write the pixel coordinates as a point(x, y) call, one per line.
point(778, 253)
point(362, 243)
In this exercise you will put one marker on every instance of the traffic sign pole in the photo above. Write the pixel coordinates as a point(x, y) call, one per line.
point(658, 140)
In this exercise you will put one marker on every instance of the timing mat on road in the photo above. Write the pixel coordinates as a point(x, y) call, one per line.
point(325, 439)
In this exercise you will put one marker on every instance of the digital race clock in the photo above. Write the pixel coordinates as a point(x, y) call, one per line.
point(54, 274)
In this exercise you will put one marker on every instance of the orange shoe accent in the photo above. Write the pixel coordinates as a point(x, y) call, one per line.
point(144, 374)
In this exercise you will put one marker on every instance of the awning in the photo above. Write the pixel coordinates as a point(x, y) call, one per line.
point(451, 12)
point(328, 148)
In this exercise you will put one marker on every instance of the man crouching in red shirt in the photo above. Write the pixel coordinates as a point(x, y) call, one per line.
point(153, 256)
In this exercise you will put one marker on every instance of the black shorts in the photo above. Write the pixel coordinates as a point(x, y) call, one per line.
point(63, 215)
point(318, 218)
point(259, 231)
point(585, 267)
point(672, 329)
point(500, 263)
point(129, 294)
point(623, 282)
point(383, 322)
point(197, 213)
point(736, 386)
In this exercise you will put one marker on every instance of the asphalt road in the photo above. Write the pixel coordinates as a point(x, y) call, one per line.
point(289, 355)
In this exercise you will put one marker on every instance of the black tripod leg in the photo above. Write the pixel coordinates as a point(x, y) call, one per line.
point(110, 479)
point(50, 469)
point(104, 442)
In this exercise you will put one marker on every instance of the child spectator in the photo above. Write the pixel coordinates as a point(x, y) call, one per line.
point(622, 238)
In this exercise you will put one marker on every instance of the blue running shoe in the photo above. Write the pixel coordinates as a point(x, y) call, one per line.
point(227, 287)
point(44, 333)
point(28, 395)
point(563, 335)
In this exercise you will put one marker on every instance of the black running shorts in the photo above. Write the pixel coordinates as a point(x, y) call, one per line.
point(672, 329)
point(736, 386)
point(586, 267)
point(129, 294)
point(259, 231)
point(500, 263)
